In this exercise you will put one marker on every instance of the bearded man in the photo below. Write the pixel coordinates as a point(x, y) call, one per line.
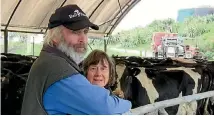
point(55, 84)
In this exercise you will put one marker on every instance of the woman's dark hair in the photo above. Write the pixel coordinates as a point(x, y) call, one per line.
point(94, 58)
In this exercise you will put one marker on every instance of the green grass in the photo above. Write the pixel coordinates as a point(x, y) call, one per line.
point(24, 48)
point(37, 49)
point(111, 51)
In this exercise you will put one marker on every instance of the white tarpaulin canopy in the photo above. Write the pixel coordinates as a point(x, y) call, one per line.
point(33, 15)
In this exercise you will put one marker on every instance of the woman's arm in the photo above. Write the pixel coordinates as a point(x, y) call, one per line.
point(76, 95)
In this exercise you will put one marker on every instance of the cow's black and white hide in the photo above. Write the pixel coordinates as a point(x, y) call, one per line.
point(206, 106)
point(169, 84)
point(14, 73)
point(144, 86)
point(12, 91)
point(16, 57)
point(132, 88)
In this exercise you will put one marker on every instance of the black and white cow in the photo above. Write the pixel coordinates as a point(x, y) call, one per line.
point(14, 73)
point(148, 85)
point(206, 106)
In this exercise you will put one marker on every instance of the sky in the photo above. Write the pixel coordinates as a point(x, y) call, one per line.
point(148, 10)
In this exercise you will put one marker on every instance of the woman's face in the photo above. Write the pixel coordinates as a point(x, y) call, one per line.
point(99, 74)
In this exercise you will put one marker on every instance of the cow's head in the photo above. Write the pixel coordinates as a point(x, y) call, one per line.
point(132, 87)
point(127, 79)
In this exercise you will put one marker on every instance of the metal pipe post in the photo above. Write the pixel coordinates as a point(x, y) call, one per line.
point(5, 41)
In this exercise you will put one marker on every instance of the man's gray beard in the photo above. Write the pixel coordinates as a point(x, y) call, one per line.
point(70, 52)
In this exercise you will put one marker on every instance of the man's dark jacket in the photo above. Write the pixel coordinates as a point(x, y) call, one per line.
point(51, 66)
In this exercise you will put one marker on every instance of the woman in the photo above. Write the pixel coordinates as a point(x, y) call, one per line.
point(100, 70)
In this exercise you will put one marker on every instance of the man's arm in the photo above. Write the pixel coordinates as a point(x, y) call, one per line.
point(76, 95)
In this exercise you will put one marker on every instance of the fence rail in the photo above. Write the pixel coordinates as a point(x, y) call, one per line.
point(167, 103)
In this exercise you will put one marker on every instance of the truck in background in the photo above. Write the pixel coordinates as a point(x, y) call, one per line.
point(167, 45)
point(193, 52)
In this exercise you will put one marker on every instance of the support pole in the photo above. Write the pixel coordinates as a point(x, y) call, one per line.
point(172, 102)
point(5, 41)
point(33, 46)
point(105, 43)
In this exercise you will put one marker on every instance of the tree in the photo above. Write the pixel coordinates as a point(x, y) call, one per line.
point(200, 28)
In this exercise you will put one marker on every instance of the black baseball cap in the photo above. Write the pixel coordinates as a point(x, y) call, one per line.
point(72, 17)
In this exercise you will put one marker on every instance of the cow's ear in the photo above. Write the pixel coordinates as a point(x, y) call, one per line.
point(135, 71)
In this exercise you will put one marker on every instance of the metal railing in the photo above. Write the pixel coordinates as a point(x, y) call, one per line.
point(167, 103)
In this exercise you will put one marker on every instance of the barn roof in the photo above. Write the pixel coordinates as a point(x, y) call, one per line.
point(33, 15)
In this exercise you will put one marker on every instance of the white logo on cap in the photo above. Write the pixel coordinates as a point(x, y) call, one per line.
point(77, 13)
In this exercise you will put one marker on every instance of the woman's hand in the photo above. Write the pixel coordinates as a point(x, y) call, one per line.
point(118, 93)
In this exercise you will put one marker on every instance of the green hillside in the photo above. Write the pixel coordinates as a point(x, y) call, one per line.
point(196, 31)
